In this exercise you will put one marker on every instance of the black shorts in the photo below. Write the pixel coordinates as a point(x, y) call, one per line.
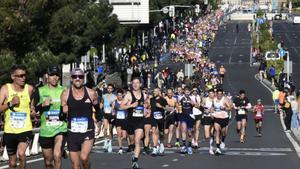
point(99, 116)
point(49, 142)
point(121, 123)
point(239, 117)
point(134, 124)
point(206, 121)
point(198, 117)
point(109, 117)
point(159, 123)
point(149, 121)
point(222, 76)
point(222, 122)
point(11, 141)
point(75, 140)
point(170, 120)
point(258, 120)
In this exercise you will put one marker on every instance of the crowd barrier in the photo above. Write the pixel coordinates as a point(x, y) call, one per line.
point(34, 148)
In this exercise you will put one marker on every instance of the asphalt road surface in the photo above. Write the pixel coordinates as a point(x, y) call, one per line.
point(290, 35)
point(272, 151)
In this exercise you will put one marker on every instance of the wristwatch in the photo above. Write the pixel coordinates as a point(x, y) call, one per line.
point(10, 105)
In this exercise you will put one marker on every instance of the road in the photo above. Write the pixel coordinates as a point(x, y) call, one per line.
point(290, 35)
point(272, 151)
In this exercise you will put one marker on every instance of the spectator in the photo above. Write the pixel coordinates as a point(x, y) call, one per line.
point(272, 74)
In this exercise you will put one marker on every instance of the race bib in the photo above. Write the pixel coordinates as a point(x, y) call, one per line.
point(107, 110)
point(17, 119)
point(196, 111)
point(79, 125)
point(241, 112)
point(52, 118)
point(258, 115)
point(138, 111)
point(121, 114)
point(157, 115)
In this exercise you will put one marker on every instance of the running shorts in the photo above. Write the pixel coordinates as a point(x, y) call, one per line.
point(222, 122)
point(11, 141)
point(49, 142)
point(75, 140)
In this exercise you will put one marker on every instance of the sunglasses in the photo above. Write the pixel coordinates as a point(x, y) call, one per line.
point(53, 74)
point(21, 76)
point(77, 76)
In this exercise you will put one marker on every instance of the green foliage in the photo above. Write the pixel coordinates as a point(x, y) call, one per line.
point(7, 59)
point(259, 14)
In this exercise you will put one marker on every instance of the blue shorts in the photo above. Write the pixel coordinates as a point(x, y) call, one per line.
point(188, 120)
point(276, 102)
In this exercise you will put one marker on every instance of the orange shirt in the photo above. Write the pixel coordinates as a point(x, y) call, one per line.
point(281, 97)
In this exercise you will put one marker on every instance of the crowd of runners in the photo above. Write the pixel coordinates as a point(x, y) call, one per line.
point(152, 118)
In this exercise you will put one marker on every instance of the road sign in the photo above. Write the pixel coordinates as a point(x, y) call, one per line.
point(100, 69)
point(290, 65)
point(281, 52)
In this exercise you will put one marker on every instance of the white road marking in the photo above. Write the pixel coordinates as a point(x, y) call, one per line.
point(220, 56)
point(27, 162)
point(292, 140)
point(175, 159)
point(165, 165)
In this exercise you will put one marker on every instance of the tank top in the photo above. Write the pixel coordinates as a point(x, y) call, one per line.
point(208, 105)
point(187, 107)
point(136, 112)
point(50, 123)
point(107, 103)
point(80, 115)
point(218, 105)
point(18, 120)
point(120, 114)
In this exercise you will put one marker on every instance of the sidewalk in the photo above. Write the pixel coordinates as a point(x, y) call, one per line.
point(268, 84)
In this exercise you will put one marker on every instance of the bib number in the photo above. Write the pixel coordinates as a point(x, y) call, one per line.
point(138, 112)
point(17, 119)
point(107, 110)
point(258, 115)
point(157, 115)
point(241, 112)
point(52, 118)
point(121, 115)
point(79, 125)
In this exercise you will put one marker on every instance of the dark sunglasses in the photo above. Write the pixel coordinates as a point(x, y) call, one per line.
point(21, 76)
point(77, 76)
point(53, 74)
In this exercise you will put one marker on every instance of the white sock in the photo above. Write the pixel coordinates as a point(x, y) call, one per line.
point(211, 141)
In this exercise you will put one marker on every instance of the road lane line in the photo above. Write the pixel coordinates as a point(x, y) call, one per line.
point(292, 140)
point(27, 162)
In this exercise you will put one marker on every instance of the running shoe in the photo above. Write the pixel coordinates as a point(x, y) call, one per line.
point(222, 145)
point(287, 131)
point(183, 150)
point(190, 150)
point(109, 147)
point(154, 152)
point(105, 144)
point(134, 164)
point(120, 152)
point(211, 151)
point(218, 152)
point(177, 144)
point(161, 148)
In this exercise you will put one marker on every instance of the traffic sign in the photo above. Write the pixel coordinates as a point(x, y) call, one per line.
point(286, 65)
point(281, 52)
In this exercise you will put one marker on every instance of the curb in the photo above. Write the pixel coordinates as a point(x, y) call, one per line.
point(293, 136)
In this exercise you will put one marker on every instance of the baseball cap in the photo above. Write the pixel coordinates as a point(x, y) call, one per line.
point(51, 70)
point(77, 71)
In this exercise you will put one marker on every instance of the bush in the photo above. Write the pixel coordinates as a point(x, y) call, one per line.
point(278, 65)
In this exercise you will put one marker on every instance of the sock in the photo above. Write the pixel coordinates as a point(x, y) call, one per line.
point(223, 138)
point(211, 141)
point(218, 145)
point(238, 131)
point(190, 144)
point(259, 130)
point(134, 159)
point(120, 148)
point(177, 139)
point(183, 143)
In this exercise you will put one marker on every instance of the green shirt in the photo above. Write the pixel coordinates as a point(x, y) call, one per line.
point(50, 123)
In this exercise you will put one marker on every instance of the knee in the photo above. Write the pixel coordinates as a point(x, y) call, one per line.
point(57, 155)
point(22, 155)
point(12, 164)
point(84, 159)
point(48, 164)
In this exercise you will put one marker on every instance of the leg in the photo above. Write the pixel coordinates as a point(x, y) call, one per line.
point(197, 131)
point(58, 151)
point(87, 146)
point(119, 135)
point(13, 161)
point(218, 134)
point(155, 134)
point(147, 129)
point(75, 159)
point(48, 158)
point(137, 139)
point(170, 133)
point(183, 133)
point(22, 156)
point(105, 128)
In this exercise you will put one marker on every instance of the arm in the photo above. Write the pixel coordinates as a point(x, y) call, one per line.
point(64, 98)
point(125, 102)
point(3, 98)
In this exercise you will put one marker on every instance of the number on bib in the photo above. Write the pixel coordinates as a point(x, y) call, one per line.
point(52, 118)
point(17, 119)
point(121, 114)
point(241, 112)
point(138, 112)
point(157, 115)
point(79, 125)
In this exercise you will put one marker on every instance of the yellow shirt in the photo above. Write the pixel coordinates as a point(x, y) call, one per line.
point(18, 121)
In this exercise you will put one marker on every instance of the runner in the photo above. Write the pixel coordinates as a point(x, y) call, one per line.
point(52, 130)
point(206, 121)
point(222, 72)
point(241, 105)
point(120, 121)
point(187, 122)
point(195, 97)
point(78, 102)
point(258, 111)
point(179, 96)
point(107, 101)
point(15, 103)
point(134, 103)
point(221, 118)
point(158, 106)
point(170, 116)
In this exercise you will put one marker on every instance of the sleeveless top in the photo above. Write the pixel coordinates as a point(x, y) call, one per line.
point(136, 112)
point(219, 106)
point(120, 114)
point(107, 103)
point(18, 119)
point(80, 115)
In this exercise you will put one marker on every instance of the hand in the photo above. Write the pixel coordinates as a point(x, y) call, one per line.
point(159, 105)
point(15, 100)
point(135, 104)
point(47, 102)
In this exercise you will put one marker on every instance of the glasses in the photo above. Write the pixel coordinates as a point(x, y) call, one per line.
point(21, 76)
point(77, 76)
point(54, 74)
